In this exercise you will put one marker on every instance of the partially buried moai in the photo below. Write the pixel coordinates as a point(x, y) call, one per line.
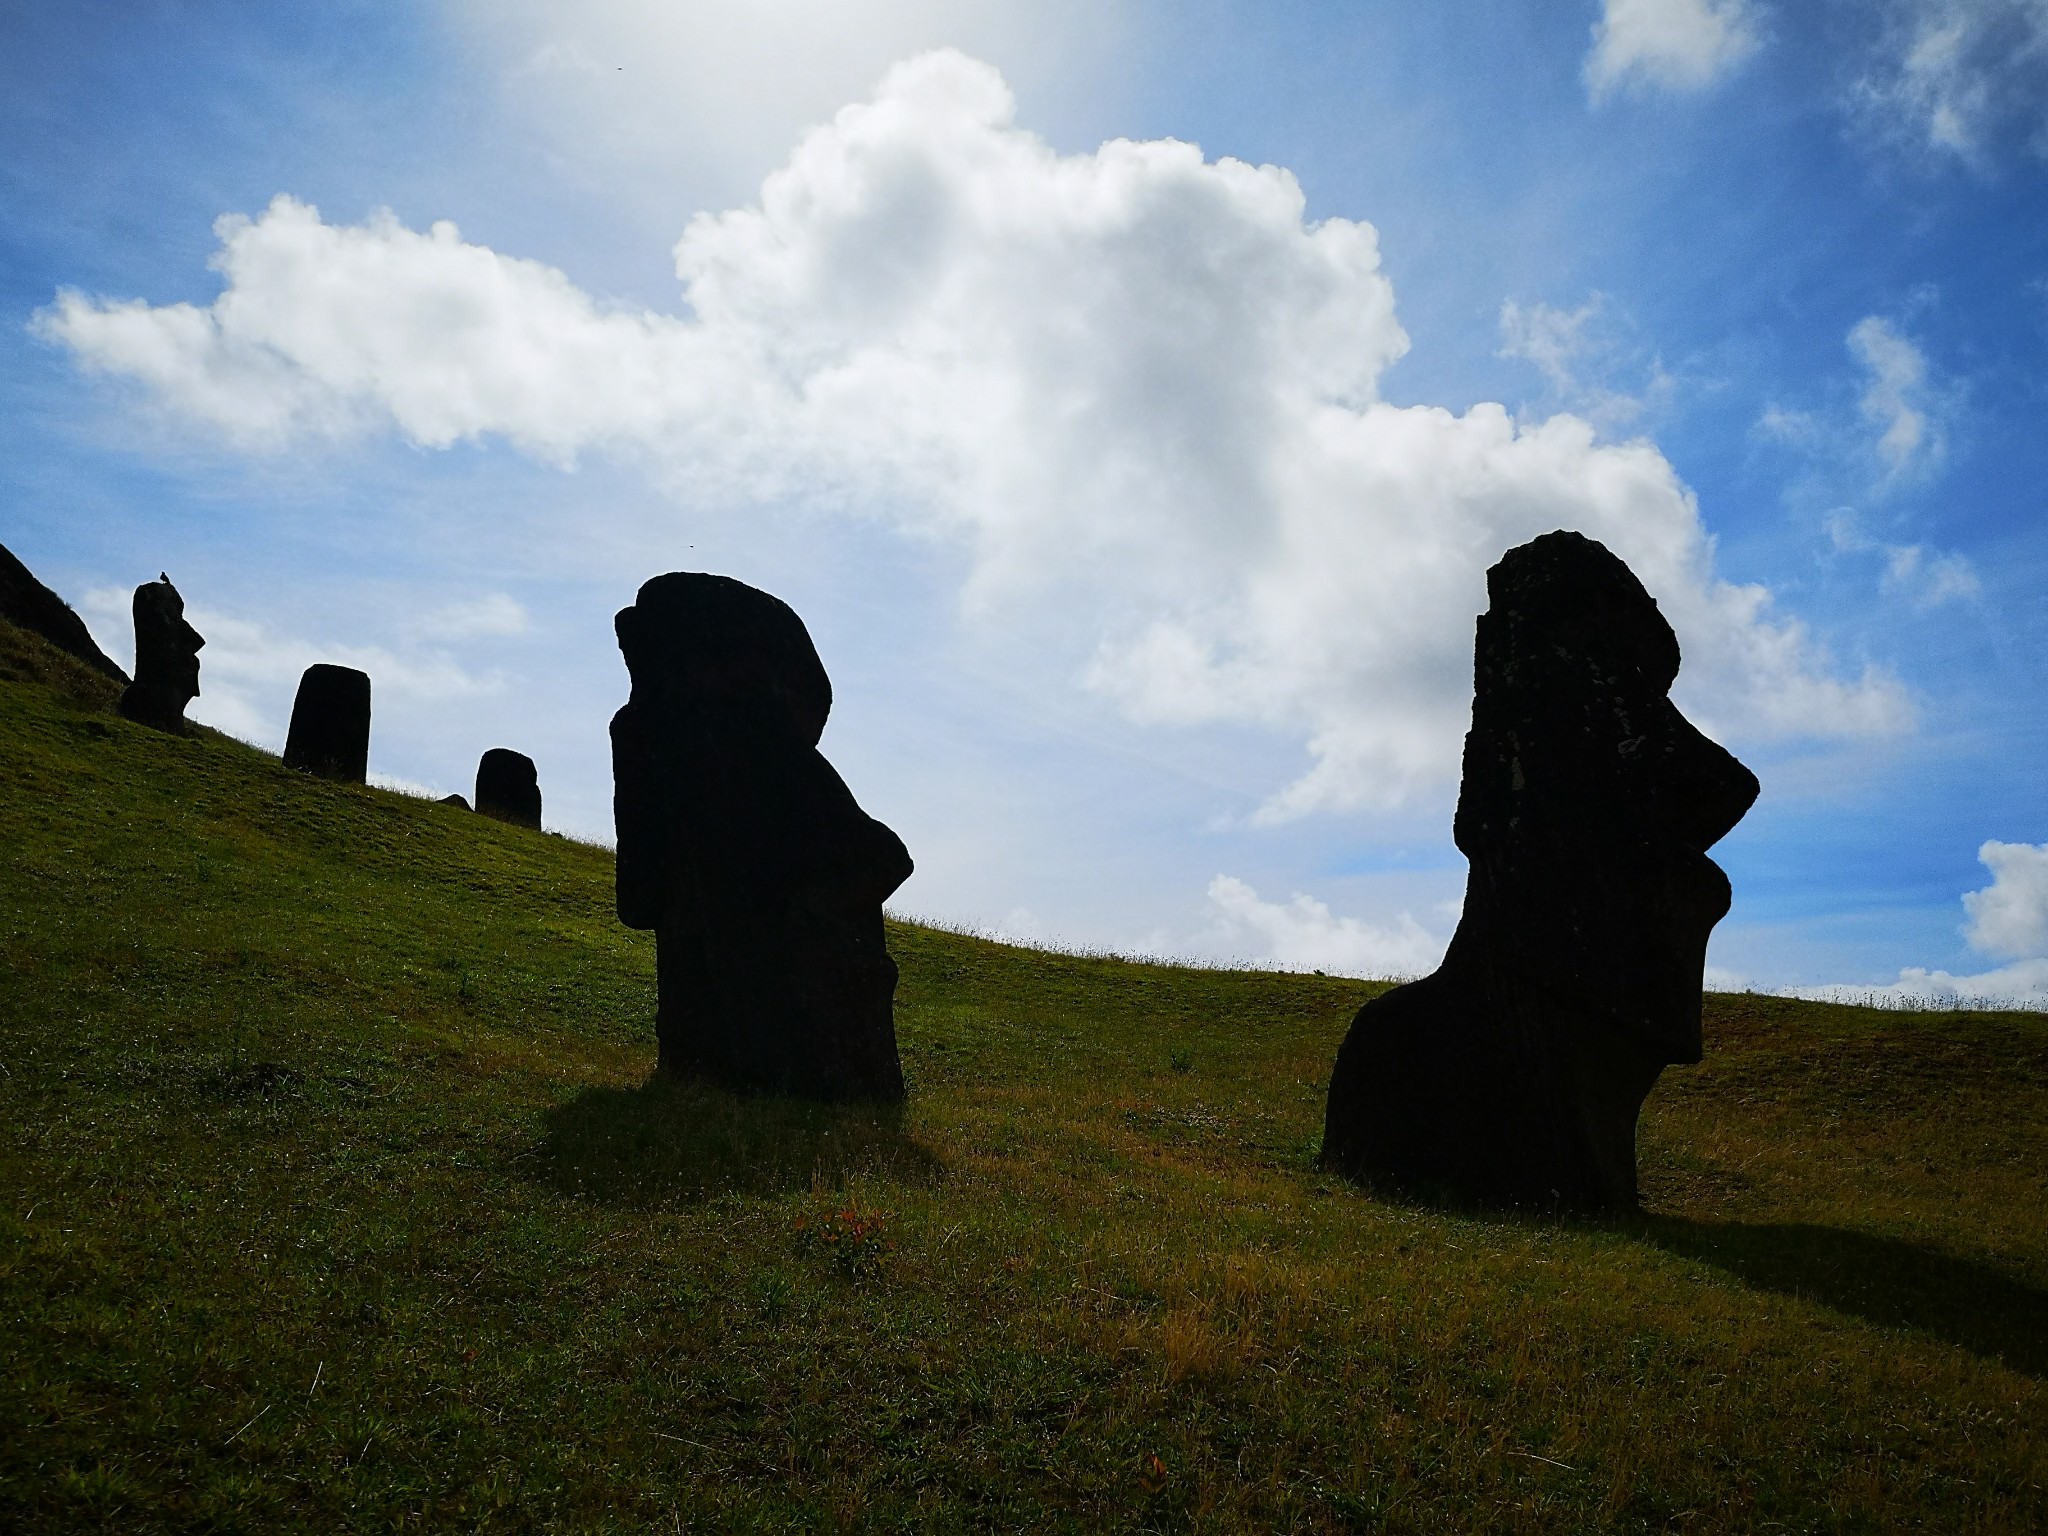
point(508, 787)
point(166, 658)
point(1515, 1073)
point(745, 852)
point(330, 729)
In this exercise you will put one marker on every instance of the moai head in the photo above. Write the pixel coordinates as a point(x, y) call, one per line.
point(698, 642)
point(712, 661)
point(508, 787)
point(1589, 801)
point(166, 658)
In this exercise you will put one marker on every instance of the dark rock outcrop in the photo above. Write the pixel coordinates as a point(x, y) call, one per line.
point(508, 787)
point(1515, 1073)
point(330, 730)
point(26, 602)
point(166, 658)
point(455, 800)
point(746, 853)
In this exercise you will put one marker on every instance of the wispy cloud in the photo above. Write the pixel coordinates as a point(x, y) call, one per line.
point(1953, 78)
point(1888, 420)
point(1583, 358)
point(1886, 430)
point(1896, 398)
point(1674, 45)
point(1928, 577)
point(492, 614)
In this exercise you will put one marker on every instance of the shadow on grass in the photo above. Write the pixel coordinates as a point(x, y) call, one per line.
point(1879, 1279)
point(672, 1142)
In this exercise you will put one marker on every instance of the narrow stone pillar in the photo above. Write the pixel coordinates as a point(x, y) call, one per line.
point(330, 734)
point(508, 787)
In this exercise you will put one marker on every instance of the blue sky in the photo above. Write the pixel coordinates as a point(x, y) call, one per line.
point(1137, 498)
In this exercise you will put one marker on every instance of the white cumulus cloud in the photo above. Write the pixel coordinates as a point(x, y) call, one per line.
point(1138, 386)
point(1302, 934)
point(2009, 917)
point(2008, 920)
point(1680, 45)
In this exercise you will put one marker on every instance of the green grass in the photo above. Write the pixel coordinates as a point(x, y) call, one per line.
point(335, 1196)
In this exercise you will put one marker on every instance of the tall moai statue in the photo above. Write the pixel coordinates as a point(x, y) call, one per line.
point(166, 658)
point(1515, 1073)
point(330, 730)
point(508, 787)
point(745, 852)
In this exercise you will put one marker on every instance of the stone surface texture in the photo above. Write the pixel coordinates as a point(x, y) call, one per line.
point(744, 851)
point(330, 729)
point(1514, 1075)
point(166, 658)
point(27, 602)
point(508, 787)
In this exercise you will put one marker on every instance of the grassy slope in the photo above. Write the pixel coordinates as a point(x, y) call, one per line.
point(334, 1192)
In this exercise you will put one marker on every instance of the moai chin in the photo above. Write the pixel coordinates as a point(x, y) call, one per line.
point(745, 852)
point(1515, 1073)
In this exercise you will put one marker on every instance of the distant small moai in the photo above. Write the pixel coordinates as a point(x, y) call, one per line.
point(330, 730)
point(508, 787)
point(745, 852)
point(166, 658)
point(1514, 1075)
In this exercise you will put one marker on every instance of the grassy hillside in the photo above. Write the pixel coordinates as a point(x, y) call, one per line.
point(335, 1195)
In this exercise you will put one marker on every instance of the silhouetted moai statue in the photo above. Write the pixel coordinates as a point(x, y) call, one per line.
point(745, 852)
point(330, 731)
point(508, 787)
point(166, 658)
point(1515, 1073)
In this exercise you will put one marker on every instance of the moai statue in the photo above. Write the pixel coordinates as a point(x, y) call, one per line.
point(1514, 1074)
point(166, 658)
point(330, 730)
point(508, 787)
point(745, 852)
